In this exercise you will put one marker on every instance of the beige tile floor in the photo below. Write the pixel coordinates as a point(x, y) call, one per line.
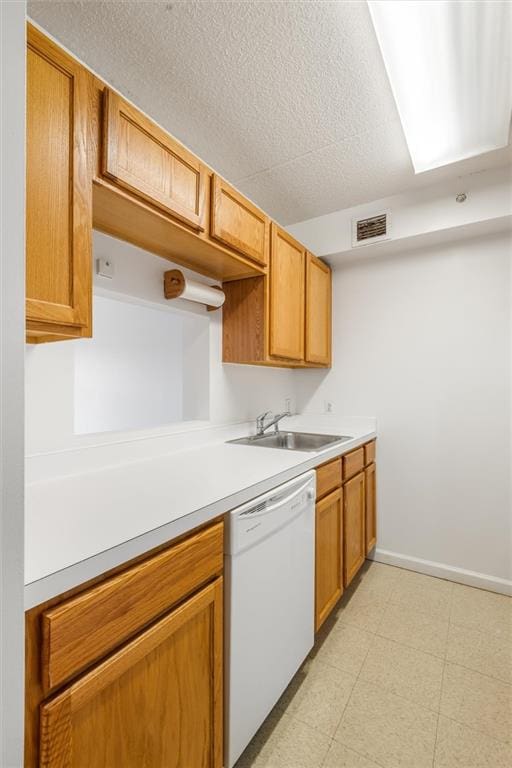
point(409, 672)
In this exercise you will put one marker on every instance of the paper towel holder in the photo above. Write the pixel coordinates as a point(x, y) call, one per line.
point(175, 285)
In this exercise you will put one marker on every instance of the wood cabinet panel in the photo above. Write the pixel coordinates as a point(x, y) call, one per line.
point(371, 507)
point(287, 297)
point(369, 452)
point(58, 193)
point(328, 555)
point(142, 158)
point(237, 223)
point(86, 627)
point(156, 702)
point(353, 526)
point(328, 477)
point(353, 463)
point(318, 311)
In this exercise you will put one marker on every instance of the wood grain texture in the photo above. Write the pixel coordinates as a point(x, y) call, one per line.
point(58, 193)
point(370, 507)
point(318, 311)
point(328, 477)
point(369, 452)
point(354, 551)
point(243, 321)
point(145, 160)
point(353, 463)
point(328, 555)
point(121, 215)
point(156, 702)
point(238, 223)
point(34, 693)
point(287, 296)
point(85, 628)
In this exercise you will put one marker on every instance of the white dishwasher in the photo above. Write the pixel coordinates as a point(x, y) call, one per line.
point(269, 603)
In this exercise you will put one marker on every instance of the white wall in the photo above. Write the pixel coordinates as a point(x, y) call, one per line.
point(12, 332)
point(419, 214)
point(130, 374)
point(233, 393)
point(422, 341)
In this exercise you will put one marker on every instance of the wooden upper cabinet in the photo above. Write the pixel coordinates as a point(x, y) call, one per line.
point(155, 702)
point(353, 526)
point(58, 194)
point(286, 301)
point(143, 159)
point(237, 223)
point(318, 311)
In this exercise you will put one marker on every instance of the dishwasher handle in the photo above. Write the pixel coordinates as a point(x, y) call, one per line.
point(261, 511)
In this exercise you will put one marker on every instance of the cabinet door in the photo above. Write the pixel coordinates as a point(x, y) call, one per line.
point(58, 194)
point(237, 223)
point(353, 527)
point(318, 311)
point(371, 506)
point(140, 157)
point(156, 702)
point(287, 274)
point(328, 555)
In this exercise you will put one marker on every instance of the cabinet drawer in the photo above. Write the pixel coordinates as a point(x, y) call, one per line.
point(156, 701)
point(353, 463)
point(140, 157)
point(328, 477)
point(237, 223)
point(369, 453)
point(86, 627)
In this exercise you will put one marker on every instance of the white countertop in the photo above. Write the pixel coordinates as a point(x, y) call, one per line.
point(81, 525)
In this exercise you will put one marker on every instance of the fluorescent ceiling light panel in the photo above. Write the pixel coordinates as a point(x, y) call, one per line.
point(449, 65)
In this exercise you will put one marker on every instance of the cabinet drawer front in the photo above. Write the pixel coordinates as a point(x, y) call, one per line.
point(328, 477)
point(369, 453)
point(140, 157)
point(236, 222)
point(86, 627)
point(353, 463)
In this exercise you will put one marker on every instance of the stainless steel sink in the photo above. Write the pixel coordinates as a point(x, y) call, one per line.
point(292, 441)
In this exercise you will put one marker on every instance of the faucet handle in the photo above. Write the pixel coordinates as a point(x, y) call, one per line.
point(260, 420)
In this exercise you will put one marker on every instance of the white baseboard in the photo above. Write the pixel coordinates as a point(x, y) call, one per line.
point(442, 571)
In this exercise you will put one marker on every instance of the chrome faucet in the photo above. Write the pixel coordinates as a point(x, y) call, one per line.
point(261, 427)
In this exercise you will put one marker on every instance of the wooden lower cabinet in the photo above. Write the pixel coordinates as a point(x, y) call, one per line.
point(127, 669)
point(156, 702)
point(328, 555)
point(354, 550)
point(371, 506)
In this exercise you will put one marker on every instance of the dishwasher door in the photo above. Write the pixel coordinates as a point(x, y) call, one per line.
point(269, 604)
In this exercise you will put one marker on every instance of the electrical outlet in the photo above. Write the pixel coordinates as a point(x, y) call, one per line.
point(328, 406)
point(288, 404)
point(105, 267)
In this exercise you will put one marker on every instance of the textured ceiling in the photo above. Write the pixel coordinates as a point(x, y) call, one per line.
point(288, 100)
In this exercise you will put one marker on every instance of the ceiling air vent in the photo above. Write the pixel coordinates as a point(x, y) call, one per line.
point(371, 229)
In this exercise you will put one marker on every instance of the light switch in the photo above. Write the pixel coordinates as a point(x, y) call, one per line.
point(105, 267)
